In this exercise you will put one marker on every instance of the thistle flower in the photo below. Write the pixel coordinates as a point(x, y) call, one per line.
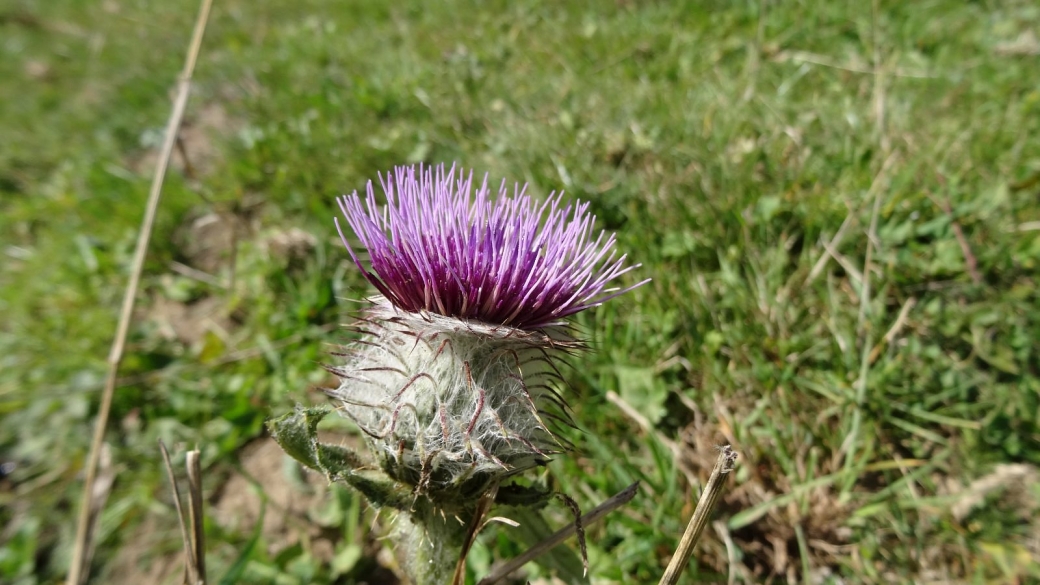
point(454, 378)
point(439, 248)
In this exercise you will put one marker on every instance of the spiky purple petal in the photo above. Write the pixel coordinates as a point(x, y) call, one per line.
point(436, 246)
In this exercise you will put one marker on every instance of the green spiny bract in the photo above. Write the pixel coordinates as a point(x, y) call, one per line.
point(450, 405)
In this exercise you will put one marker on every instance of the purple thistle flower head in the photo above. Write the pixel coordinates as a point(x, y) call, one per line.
point(438, 247)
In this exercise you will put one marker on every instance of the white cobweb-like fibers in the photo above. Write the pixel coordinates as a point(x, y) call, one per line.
point(445, 400)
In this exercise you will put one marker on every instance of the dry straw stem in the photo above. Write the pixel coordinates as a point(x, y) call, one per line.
point(195, 504)
point(194, 553)
point(616, 501)
point(709, 498)
point(894, 330)
point(78, 569)
point(106, 477)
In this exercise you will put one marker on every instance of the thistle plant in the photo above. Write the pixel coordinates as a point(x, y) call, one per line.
point(454, 378)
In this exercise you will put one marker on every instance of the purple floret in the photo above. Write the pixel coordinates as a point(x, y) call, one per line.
point(437, 246)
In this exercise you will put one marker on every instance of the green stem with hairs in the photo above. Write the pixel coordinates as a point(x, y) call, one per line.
point(428, 543)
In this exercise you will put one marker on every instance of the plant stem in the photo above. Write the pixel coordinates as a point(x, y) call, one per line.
point(427, 543)
point(709, 497)
point(78, 566)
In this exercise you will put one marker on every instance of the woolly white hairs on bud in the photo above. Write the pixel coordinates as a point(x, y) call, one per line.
point(445, 400)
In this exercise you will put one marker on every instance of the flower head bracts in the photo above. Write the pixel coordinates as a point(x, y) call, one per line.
point(451, 404)
point(438, 247)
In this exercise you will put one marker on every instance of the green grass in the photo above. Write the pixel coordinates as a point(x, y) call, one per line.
point(724, 142)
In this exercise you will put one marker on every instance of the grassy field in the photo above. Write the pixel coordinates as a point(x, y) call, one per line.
point(839, 207)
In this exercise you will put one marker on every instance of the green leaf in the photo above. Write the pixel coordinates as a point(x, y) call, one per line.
point(213, 347)
point(643, 390)
point(533, 528)
point(994, 352)
point(297, 434)
point(336, 461)
point(237, 569)
point(345, 559)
